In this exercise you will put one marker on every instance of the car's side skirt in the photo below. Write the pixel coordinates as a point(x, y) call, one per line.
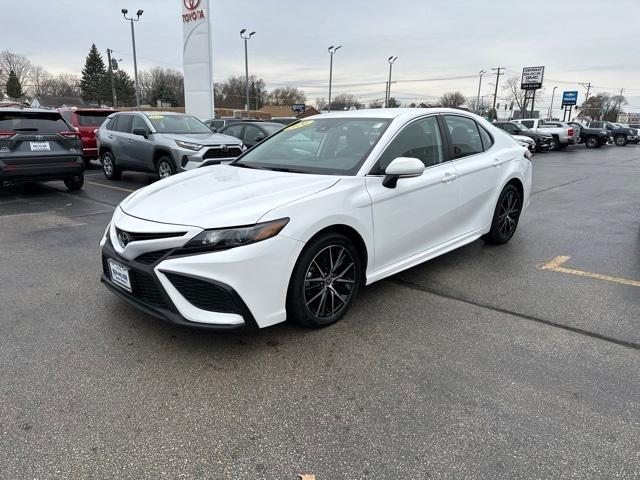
point(426, 255)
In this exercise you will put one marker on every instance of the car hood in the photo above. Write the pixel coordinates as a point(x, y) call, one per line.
point(202, 138)
point(522, 138)
point(221, 195)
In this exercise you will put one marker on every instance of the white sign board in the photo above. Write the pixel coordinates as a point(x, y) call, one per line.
point(197, 58)
point(532, 78)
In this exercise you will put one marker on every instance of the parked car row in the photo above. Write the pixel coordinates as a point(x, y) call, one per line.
point(540, 135)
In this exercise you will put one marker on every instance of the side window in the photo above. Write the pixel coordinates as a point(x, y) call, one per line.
point(234, 130)
point(527, 123)
point(420, 139)
point(464, 136)
point(487, 140)
point(112, 123)
point(138, 122)
point(250, 134)
point(124, 123)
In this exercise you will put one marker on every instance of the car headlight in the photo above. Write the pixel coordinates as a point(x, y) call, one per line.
point(224, 238)
point(188, 145)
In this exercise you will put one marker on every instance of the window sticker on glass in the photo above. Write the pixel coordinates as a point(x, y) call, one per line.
point(299, 125)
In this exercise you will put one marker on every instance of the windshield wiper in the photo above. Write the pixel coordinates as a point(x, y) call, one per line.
point(245, 165)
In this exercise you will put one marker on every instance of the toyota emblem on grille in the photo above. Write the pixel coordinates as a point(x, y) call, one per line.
point(225, 148)
point(123, 238)
point(39, 137)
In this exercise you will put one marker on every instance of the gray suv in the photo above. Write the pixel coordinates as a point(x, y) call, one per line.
point(160, 142)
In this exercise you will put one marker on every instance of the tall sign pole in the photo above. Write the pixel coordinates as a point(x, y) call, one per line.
point(197, 58)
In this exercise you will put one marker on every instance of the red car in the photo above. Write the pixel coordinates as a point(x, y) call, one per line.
point(86, 120)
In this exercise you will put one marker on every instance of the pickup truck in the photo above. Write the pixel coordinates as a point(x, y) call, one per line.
point(591, 137)
point(621, 135)
point(563, 136)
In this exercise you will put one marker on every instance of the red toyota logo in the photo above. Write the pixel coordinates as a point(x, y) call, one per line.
point(191, 4)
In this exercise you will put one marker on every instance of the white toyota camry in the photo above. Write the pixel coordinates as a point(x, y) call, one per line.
point(295, 226)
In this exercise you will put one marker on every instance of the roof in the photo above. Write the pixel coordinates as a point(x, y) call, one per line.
point(27, 109)
point(87, 109)
point(391, 113)
point(155, 112)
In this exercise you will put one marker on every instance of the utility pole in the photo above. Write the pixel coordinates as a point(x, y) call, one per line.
point(588, 87)
point(495, 94)
point(113, 83)
point(133, 42)
point(391, 61)
point(332, 50)
point(619, 105)
point(246, 38)
point(551, 106)
point(478, 110)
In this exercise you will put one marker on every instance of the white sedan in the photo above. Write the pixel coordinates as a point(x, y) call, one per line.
point(295, 226)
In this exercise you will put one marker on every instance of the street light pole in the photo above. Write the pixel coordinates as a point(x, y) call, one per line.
point(551, 106)
point(391, 61)
point(331, 51)
point(133, 42)
point(246, 38)
point(481, 72)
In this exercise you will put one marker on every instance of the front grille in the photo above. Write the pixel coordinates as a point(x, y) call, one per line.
point(150, 258)
point(137, 236)
point(202, 294)
point(218, 152)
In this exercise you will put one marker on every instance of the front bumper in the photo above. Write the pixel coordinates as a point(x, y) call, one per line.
point(239, 288)
point(40, 169)
point(211, 155)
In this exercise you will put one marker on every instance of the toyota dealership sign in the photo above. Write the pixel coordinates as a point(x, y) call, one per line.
point(197, 57)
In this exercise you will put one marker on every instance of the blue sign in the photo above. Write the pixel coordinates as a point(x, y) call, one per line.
point(298, 107)
point(569, 98)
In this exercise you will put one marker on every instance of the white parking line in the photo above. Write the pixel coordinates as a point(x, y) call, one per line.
point(111, 187)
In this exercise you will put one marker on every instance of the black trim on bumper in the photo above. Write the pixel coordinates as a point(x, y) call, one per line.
point(169, 313)
point(40, 172)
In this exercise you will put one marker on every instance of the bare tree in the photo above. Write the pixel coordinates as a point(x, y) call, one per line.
point(286, 96)
point(452, 99)
point(14, 62)
point(514, 93)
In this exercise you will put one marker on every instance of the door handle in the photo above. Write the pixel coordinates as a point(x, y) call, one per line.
point(497, 162)
point(129, 140)
point(449, 177)
point(110, 136)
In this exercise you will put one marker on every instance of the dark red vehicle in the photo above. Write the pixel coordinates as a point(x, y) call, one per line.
point(86, 120)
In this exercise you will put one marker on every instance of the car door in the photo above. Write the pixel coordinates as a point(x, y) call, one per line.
point(419, 213)
point(479, 166)
point(121, 140)
point(140, 149)
point(235, 130)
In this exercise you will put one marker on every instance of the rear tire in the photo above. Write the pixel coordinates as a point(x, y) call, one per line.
point(109, 166)
point(505, 217)
point(592, 142)
point(74, 183)
point(165, 168)
point(556, 144)
point(324, 282)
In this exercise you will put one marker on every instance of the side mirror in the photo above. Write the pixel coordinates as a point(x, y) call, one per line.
point(141, 131)
point(515, 131)
point(213, 129)
point(402, 167)
point(259, 138)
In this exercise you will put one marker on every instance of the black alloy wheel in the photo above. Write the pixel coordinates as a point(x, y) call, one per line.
point(506, 216)
point(324, 282)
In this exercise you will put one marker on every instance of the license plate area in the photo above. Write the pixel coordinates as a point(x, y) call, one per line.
point(120, 275)
point(40, 146)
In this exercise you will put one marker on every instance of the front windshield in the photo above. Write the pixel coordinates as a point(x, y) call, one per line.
point(182, 124)
point(332, 146)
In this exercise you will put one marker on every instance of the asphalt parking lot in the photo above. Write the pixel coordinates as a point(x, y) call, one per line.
point(489, 362)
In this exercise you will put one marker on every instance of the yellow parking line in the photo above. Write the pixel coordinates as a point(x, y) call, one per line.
point(111, 186)
point(556, 266)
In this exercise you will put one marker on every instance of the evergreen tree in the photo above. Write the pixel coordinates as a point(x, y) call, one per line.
point(94, 84)
point(125, 88)
point(14, 89)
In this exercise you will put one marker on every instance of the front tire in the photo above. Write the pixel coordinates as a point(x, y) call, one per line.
point(74, 183)
point(506, 216)
point(324, 282)
point(109, 166)
point(620, 140)
point(556, 144)
point(165, 168)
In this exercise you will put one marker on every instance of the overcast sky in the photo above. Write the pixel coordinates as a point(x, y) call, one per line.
point(577, 41)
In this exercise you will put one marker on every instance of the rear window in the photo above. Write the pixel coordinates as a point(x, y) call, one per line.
point(43, 122)
point(91, 119)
